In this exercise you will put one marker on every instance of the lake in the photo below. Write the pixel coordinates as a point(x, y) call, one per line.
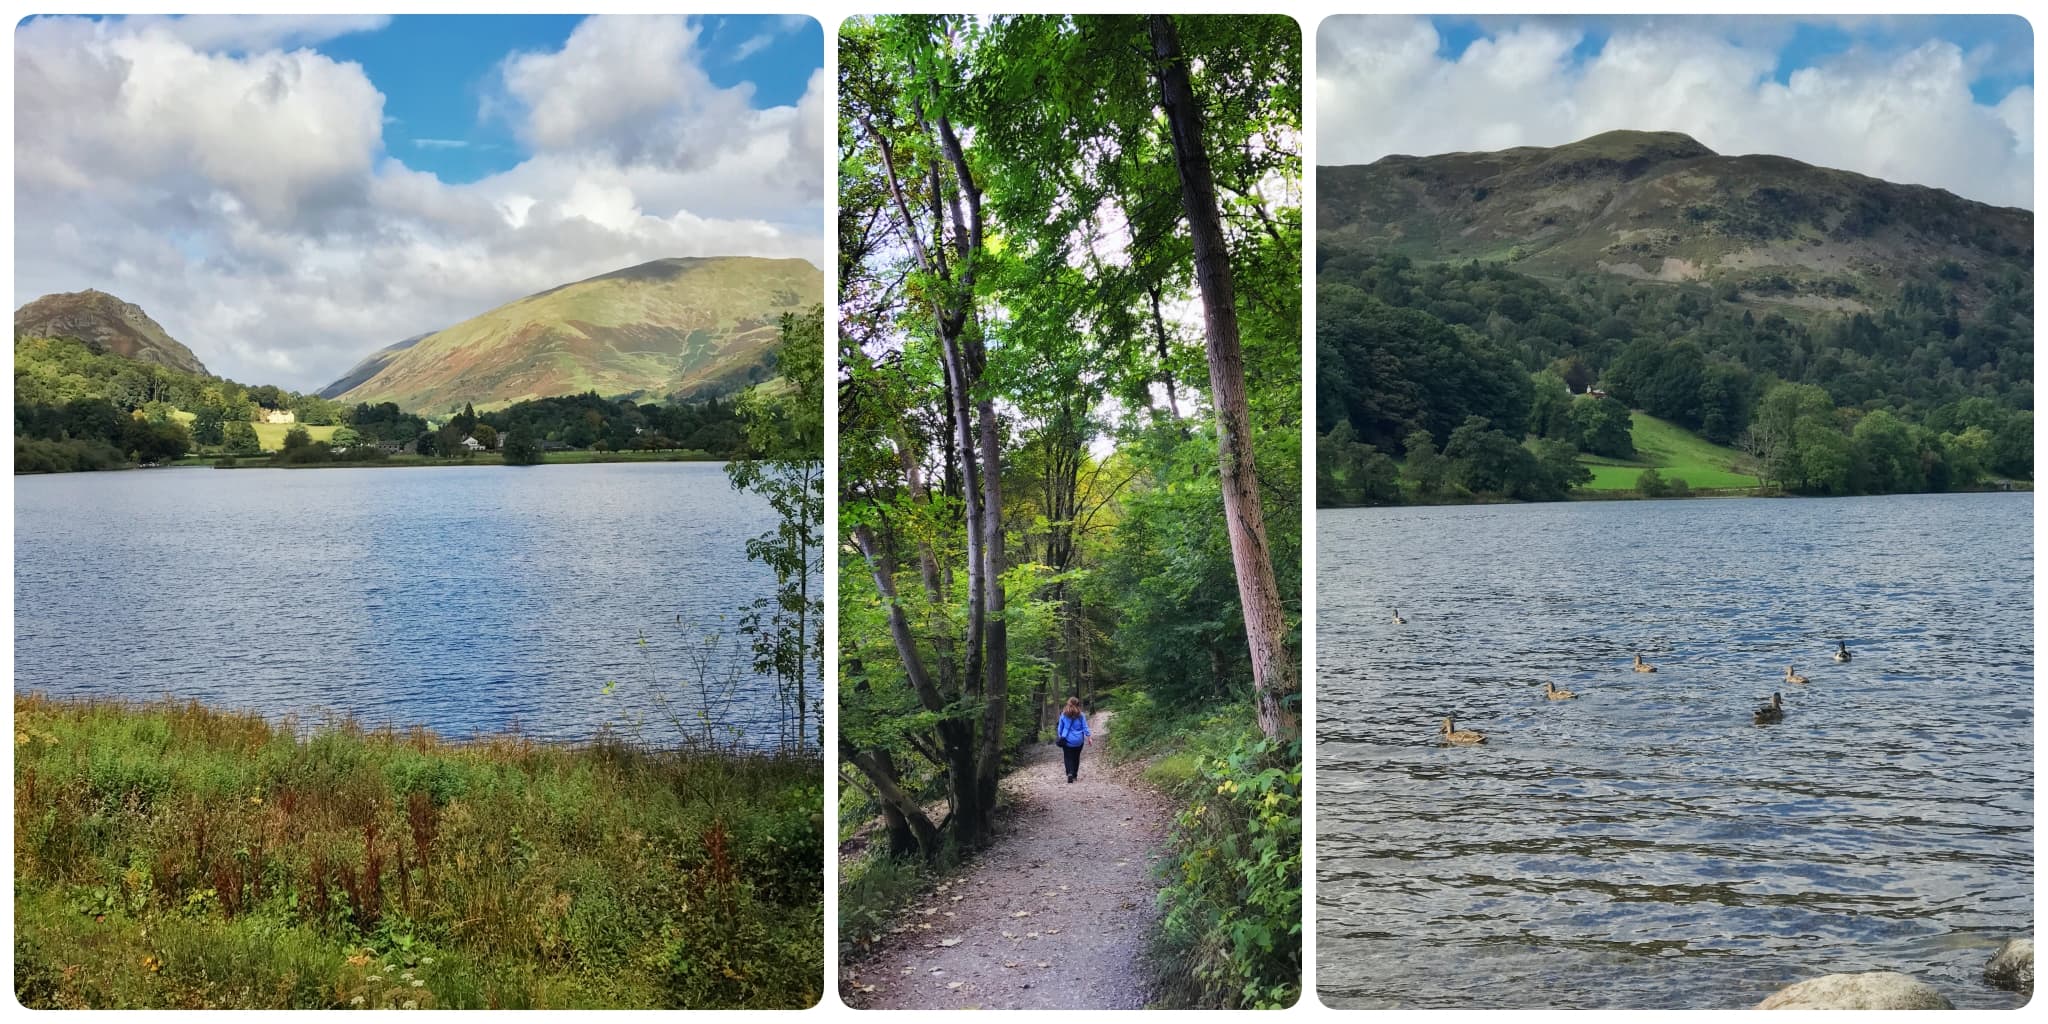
point(465, 599)
point(1647, 845)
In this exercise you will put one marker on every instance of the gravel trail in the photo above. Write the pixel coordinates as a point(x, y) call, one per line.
point(1054, 915)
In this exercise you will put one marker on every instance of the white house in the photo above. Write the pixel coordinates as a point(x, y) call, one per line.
point(472, 443)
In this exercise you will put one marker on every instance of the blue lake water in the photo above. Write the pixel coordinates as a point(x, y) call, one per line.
point(464, 599)
point(1647, 845)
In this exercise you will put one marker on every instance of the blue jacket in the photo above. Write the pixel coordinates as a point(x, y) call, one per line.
point(1073, 730)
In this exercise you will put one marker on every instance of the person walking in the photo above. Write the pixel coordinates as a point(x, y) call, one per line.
point(1073, 735)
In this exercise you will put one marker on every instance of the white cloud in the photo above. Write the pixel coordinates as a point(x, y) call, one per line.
point(1900, 113)
point(750, 47)
point(260, 32)
point(246, 200)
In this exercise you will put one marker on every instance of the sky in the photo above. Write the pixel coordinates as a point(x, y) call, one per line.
point(1944, 101)
point(287, 194)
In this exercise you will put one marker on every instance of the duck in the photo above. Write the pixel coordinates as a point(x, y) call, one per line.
point(1842, 650)
point(1398, 620)
point(1462, 737)
point(1793, 677)
point(1551, 691)
point(1772, 712)
point(1644, 666)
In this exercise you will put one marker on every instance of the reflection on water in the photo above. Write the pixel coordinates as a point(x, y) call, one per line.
point(1646, 845)
point(464, 599)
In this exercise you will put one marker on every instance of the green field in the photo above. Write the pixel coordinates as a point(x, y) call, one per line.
point(271, 435)
point(1676, 453)
point(174, 856)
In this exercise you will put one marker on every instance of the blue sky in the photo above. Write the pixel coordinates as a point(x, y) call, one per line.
point(1940, 100)
point(288, 193)
point(438, 71)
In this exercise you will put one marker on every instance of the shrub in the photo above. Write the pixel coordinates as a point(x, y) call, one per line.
point(1650, 484)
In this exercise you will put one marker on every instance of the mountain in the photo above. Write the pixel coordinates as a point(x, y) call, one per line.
point(1659, 206)
point(669, 327)
point(372, 364)
point(105, 324)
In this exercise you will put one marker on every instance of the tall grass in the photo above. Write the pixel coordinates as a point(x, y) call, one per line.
point(171, 855)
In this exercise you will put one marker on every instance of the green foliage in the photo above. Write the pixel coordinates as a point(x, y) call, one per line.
point(1650, 484)
point(1230, 936)
point(784, 461)
point(522, 448)
point(174, 856)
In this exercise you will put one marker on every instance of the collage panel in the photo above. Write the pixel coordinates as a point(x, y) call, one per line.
point(478, 669)
point(1070, 515)
point(1675, 550)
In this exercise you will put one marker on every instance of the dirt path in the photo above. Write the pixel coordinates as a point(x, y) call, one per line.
point(1053, 916)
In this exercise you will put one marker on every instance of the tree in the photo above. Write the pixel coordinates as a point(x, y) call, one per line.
point(522, 448)
point(208, 425)
point(448, 441)
point(297, 437)
point(784, 462)
point(1426, 469)
point(1602, 426)
point(238, 437)
point(897, 91)
point(1274, 672)
point(1550, 406)
point(486, 435)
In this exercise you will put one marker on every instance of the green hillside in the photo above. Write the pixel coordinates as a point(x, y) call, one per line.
point(1861, 336)
point(671, 327)
point(1672, 451)
point(1779, 234)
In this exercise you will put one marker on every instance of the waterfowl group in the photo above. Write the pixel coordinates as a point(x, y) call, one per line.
point(1461, 737)
point(1769, 713)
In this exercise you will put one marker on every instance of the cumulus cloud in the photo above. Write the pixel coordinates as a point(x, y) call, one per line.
point(245, 198)
point(1900, 112)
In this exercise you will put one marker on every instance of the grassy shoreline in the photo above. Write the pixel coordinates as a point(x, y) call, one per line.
point(175, 856)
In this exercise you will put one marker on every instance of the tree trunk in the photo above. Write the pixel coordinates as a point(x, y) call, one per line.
point(1274, 675)
point(882, 775)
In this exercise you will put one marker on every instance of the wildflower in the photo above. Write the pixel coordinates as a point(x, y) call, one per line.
point(416, 983)
point(426, 961)
point(410, 1004)
point(357, 1001)
point(374, 977)
point(152, 963)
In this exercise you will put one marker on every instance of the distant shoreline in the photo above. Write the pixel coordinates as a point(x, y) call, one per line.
point(575, 458)
point(2018, 487)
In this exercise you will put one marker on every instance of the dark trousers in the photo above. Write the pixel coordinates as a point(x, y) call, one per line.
point(1073, 759)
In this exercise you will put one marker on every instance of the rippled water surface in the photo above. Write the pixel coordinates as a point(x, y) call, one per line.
point(1646, 845)
point(464, 599)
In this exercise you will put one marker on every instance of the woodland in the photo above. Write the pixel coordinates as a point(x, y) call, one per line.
point(1070, 451)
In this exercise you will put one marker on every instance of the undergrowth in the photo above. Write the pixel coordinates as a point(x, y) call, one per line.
point(170, 855)
point(1229, 933)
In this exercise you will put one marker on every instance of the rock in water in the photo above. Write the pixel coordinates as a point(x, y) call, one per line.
point(1876, 990)
point(2012, 967)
